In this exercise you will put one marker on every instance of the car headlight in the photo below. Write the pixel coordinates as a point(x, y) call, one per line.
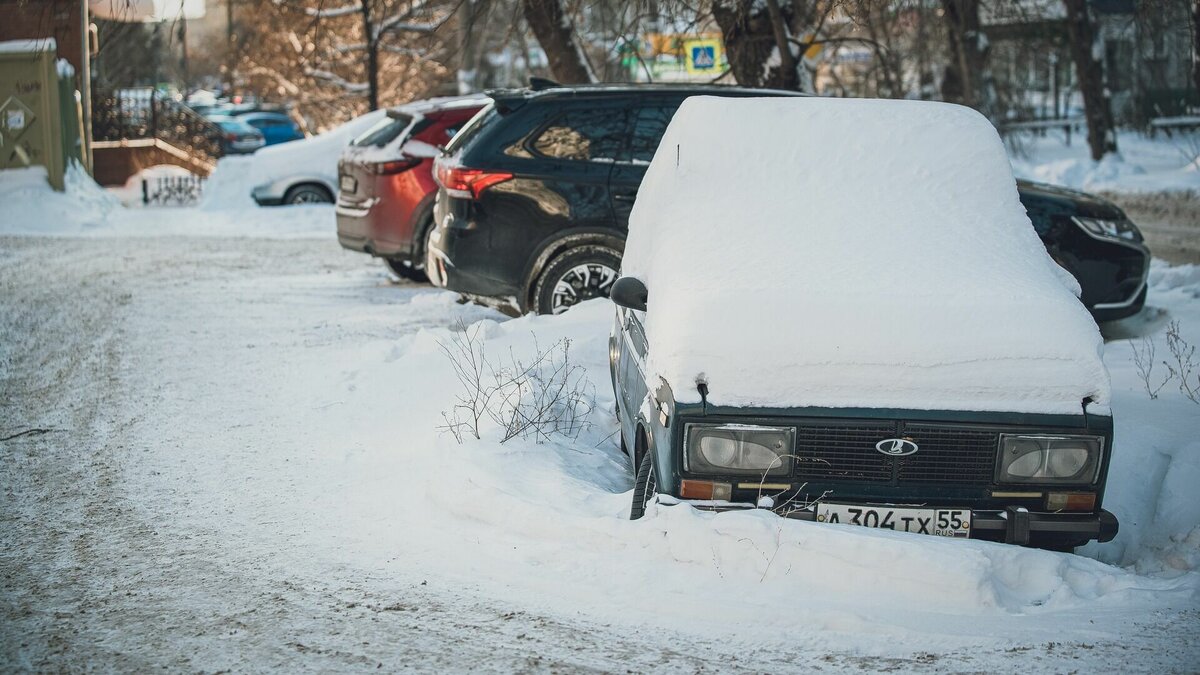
point(1049, 459)
point(739, 448)
point(1109, 229)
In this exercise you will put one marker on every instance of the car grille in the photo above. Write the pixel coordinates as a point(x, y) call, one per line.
point(947, 455)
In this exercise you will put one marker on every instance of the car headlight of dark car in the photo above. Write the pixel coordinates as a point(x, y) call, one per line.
point(739, 448)
point(1049, 459)
point(1121, 228)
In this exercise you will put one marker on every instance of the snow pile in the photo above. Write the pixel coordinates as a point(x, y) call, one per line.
point(236, 176)
point(32, 207)
point(365, 479)
point(876, 256)
point(1162, 164)
point(1156, 451)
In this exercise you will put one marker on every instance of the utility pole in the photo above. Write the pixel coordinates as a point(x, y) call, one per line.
point(85, 81)
point(229, 50)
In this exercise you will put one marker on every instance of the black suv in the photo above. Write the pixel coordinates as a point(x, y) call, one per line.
point(535, 194)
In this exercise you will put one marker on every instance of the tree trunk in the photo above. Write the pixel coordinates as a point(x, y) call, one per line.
point(469, 39)
point(1196, 44)
point(967, 80)
point(549, 24)
point(372, 55)
point(1081, 31)
point(751, 37)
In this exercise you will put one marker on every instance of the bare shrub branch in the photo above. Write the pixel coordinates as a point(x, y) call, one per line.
point(1185, 368)
point(535, 398)
point(1143, 360)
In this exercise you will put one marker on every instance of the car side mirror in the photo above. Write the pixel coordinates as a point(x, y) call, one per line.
point(630, 293)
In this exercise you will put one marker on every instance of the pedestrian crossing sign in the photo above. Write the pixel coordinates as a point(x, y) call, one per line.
point(703, 55)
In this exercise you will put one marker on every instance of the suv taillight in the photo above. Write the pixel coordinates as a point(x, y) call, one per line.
point(393, 167)
point(467, 183)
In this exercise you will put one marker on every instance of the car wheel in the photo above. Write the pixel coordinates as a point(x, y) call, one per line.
point(405, 269)
point(644, 488)
point(580, 274)
point(307, 194)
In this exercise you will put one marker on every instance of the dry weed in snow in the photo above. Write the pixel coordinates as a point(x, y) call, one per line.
point(1185, 369)
point(538, 398)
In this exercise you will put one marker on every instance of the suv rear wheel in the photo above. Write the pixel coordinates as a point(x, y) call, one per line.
point(404, 269)
point(414, 269)
point(580, 274)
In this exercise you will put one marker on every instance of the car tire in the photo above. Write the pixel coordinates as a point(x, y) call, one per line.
point(307, 194)
point(580, 274)
point(405, 270)
point(644, 487)
point(414, 268)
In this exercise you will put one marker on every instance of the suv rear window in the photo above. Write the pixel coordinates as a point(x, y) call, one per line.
point(471, 129)
point(595, 135)
point(648, 128)
point(384, 131)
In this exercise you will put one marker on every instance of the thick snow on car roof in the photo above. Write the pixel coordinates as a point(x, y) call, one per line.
point(852, 253)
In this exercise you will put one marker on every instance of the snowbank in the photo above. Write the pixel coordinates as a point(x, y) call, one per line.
point(890, 270)
point(1156, 450)
point(365, 479)
point(32, 207)
point(1162, 164)
point(84, 209)
point(230, 185)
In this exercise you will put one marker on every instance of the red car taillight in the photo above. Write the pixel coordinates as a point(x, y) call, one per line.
point(468, 183)
point(394, 166)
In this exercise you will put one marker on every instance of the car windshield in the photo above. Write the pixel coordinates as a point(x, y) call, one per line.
point(384, 131)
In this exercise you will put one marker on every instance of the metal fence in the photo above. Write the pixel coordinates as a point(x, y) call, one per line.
point(143, 113)
point(172, 190)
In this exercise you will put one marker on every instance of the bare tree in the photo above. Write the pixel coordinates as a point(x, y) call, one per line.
point(554, 32)
point(764, 40)
point(1196, 44)
point(967, 80)
point(1089, 69)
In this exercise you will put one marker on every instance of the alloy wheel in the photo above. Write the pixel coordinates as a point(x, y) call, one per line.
point(580, 283)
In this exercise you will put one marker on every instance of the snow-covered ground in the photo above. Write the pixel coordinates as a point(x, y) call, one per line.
point(232, 464)
point(1164, 163)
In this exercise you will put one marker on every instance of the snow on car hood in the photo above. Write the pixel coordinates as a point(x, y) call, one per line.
point(852, 253)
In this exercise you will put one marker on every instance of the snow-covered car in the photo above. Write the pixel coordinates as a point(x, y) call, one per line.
point(304, 171)
point(893, 348)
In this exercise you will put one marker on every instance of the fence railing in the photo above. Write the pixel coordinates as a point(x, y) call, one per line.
point(172, 190)
point(143, 113)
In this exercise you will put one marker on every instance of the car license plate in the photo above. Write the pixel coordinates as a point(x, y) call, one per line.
point(938, 522)
point(348, 183)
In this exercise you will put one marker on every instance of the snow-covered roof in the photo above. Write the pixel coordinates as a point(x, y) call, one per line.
point(852, 253)
point(34, 45)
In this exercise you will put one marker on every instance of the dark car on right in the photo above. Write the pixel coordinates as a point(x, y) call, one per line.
point(536, 191)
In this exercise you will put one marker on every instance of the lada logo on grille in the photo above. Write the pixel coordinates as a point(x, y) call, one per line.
point(896, 447)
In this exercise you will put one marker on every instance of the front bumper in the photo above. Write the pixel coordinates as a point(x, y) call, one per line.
point(1011, 526)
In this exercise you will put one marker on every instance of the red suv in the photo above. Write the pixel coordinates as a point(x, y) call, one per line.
point(385, 183)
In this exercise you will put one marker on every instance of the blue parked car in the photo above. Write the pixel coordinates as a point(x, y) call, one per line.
point(237, 137)
point(275, 127)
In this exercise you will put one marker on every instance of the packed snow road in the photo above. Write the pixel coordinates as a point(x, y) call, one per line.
point(220, 455)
